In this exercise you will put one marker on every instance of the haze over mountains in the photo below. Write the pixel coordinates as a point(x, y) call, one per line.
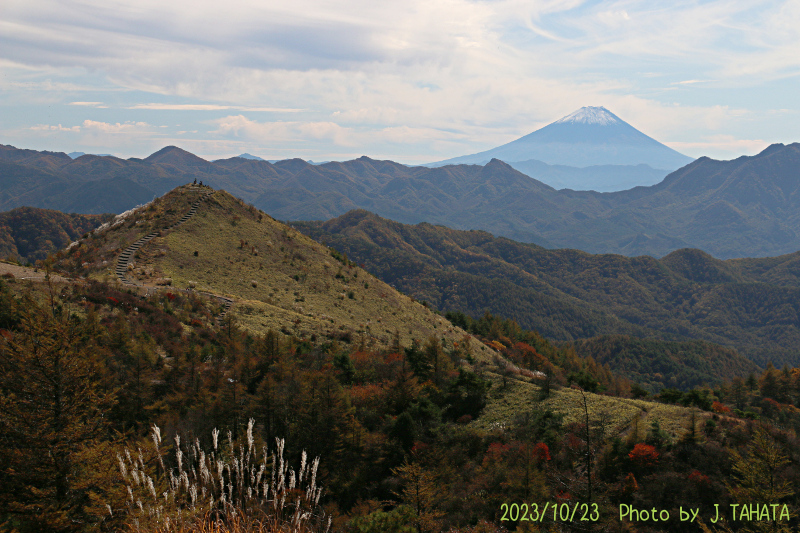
point(590, 149)
point(747, 207)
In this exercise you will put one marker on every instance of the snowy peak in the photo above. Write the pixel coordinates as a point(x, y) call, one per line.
point(591, 136)
point(591, 115)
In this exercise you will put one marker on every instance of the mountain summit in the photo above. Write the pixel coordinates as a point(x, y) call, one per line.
point(591, 136)
point(590, 115)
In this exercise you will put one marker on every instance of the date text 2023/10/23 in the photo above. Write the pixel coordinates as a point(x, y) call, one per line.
point(585, 512)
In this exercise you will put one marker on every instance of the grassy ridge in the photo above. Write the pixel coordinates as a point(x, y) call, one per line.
point(280, 279)
point(619, 415)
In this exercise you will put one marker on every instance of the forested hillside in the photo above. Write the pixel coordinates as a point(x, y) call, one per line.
point(410, 438)
point(29, 234)
point(129, 399)
point(749, 305)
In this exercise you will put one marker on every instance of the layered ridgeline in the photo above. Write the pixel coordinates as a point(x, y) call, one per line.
point(278, 278)
point(742, 208)
point(590, 149)
point(749, 305)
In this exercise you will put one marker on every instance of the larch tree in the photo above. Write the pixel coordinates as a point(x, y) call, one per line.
point(53, 407)
point(759, 477)
point(422, 494)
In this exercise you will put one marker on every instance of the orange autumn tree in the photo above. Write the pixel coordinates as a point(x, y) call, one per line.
point(644, 455)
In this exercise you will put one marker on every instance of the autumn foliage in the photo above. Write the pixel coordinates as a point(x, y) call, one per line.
point(643, 455)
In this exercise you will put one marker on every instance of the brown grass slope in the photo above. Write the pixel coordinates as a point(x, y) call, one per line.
point(278, 278)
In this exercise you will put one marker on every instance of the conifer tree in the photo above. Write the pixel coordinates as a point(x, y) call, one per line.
point(421, 493)
point(758, 477)
point(53, 408)
point(738, 393)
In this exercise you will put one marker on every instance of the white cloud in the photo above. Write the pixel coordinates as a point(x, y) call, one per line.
point(98, 105)
point(721, 147)
point(56, 128)
point(689, 82)
point(462, 74)
point(89, 128)
point(266, 132)
point(209, 107)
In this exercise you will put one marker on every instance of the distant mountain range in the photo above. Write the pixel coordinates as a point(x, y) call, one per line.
point(618, 156)
point(600, 178)
point(747, 207)
point(75, 155)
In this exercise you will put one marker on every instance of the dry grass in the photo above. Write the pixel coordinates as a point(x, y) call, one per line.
point(228, 488)
point(621, 414)
point(282, 279)
point(278, 278)
point(239, 524)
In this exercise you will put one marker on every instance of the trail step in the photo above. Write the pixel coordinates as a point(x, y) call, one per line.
point(125, 256)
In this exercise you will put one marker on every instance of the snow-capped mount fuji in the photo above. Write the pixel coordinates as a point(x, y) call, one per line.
point(590, 115)
point(589, 137)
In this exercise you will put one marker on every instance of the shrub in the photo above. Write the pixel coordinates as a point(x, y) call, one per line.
point(720, 408)
point(643, 455)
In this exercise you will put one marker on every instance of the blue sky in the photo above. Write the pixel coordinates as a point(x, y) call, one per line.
point(413, 81)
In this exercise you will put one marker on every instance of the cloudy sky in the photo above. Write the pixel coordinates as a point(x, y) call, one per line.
point(413, 81)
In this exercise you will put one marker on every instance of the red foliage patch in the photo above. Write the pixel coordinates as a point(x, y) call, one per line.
point(629, 485)
point(391, 358)
point(644, 455)
point(368, 396)
point(496, 451)
point(419, 447)
point(541, 452)
point(718, 407)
